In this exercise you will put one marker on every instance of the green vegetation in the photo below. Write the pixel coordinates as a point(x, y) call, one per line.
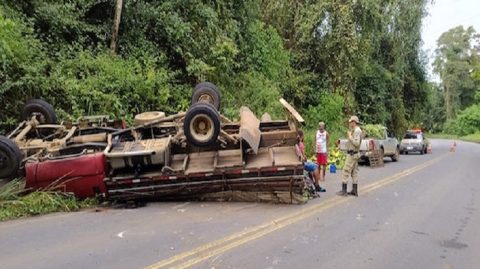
point(376, 131)
point(329, 58)
point(15, 204)
point(475, 137)
point(457, 63)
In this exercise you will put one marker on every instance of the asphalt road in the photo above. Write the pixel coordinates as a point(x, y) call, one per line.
point(421, 212)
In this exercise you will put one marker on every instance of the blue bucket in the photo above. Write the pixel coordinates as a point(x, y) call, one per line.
point(333, 168)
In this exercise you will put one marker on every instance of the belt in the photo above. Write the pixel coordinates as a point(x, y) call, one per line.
point(351, 152)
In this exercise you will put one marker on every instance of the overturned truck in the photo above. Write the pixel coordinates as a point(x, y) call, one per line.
point(198, 154)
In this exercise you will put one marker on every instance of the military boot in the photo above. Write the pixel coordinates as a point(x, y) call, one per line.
point(354, 191)
point(343, 192)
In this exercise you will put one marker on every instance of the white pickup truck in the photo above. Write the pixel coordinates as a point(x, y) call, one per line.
point(388, 145)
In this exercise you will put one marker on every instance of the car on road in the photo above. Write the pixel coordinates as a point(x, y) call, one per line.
point(385, 144)
point(414, 141)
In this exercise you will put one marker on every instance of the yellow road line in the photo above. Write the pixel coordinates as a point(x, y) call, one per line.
point(206, 251)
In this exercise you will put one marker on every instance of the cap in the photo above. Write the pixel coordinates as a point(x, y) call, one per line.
point(321, 123)
point(355, 119)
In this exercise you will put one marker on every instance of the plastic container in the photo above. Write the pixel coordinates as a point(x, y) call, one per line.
point(333, 168)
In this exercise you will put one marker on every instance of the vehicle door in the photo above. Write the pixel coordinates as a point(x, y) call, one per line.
point(390, 144)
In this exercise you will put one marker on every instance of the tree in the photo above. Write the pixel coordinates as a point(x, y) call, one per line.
point(359, 56)
point(454, 63)
point(116, 25)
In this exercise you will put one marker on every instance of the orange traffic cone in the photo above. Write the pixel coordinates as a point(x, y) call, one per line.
point(429, 149)
point(454, 146)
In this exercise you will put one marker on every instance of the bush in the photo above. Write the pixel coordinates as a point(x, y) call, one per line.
point(330, 111)
point(376, 131)
point(254, 90)
point(21, 61)
point(467, 122)
point(85, 83)
point(475, 137)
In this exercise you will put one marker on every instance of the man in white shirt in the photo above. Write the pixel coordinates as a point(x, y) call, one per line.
point(321, 149)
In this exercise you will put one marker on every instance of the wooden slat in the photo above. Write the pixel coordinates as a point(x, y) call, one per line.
point(292, 111)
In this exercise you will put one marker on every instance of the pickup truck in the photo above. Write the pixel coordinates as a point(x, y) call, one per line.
point(388, 145)
point(414, 141)
point(197, 154)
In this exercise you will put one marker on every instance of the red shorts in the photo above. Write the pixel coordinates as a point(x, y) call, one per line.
point(322, 159)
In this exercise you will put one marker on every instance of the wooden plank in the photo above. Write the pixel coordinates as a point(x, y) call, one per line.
point(292, 111)
point(250, 128)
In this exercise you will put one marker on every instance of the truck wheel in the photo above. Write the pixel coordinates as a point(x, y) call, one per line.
point(202, 125)
point(44, 111)
point(422, 151)
point(396, 156)
point(206, 92)
point(147, 117)
point(10, 158)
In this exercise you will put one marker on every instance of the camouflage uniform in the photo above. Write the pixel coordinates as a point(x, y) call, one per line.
point(351, 164)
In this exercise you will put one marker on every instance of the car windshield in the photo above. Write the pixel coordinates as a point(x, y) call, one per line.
point(412, 136)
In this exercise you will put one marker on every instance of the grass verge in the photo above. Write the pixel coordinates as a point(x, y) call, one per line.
point(15, 202)
point(475, 137)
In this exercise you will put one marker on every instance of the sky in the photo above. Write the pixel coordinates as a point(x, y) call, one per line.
point(444, 15)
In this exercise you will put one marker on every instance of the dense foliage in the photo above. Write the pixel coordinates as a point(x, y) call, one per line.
point(330, 58)
point(457, 63)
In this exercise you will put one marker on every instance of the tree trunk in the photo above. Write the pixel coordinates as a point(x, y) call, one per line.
point(116, 25)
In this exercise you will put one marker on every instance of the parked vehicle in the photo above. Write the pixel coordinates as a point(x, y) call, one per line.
point(387, 144)
point(414, 141)
point(186, 155)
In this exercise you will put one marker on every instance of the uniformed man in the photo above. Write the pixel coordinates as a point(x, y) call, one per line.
point(350, 169)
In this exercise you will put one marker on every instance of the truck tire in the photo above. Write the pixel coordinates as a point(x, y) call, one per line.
point(10, 158)
point(147, 117)
point(422, 151)
point(396, 156)
point(206, 92)
point(46, 113)
point(202, 125)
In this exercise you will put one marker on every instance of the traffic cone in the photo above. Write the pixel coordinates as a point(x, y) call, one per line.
point(453, 147)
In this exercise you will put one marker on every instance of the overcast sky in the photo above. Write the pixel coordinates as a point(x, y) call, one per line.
point(446, 14)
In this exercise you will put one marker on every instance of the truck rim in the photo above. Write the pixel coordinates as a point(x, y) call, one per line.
point(201, 128)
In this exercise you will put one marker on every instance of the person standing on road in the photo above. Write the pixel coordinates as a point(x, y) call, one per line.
point(321, 149)
point(350, 169)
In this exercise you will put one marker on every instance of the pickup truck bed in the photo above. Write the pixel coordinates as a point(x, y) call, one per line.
point(388, 145)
